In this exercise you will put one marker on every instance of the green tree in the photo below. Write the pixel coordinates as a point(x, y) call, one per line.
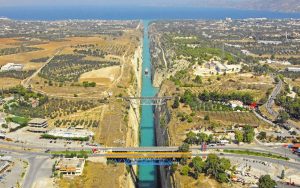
point(266, 182)
point(184, 147)
point(198, 164)
point(206, 118)
point(238, 136)
point(198, 80)
point(191, 138)
point(283, 116)
point(222, 177)
point(262, 135)
point(217, 167)
point(176, 102)
point(202, 137)
point(248, 133)
point(185, 170)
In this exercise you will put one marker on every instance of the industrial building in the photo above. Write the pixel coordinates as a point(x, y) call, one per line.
point(70, 166)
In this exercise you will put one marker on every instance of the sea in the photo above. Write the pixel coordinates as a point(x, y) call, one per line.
point(132, 13)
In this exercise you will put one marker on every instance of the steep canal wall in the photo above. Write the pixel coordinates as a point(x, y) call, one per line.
point(161, 119)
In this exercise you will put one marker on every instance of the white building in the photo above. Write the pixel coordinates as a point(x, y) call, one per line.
point(277, 62)
point(12, 66)
point(235, 103)
point(70, 133)
point(269, 42)
point(293, 69)
point(221, 68)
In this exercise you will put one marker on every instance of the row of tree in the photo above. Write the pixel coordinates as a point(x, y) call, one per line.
point(199, 138)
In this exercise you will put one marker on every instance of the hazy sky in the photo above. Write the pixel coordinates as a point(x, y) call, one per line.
point(107, 2)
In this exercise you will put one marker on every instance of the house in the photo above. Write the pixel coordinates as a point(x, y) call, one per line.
point(12, 67)
point(38, 122)
point(236, 103)
point(70, 166)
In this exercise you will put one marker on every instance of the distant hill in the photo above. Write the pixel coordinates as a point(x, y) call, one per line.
point(273, 5)
point(270, 5)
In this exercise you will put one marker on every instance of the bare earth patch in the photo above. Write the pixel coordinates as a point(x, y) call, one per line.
point(103, 77)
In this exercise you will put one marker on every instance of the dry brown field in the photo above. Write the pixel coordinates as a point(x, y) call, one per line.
point(96, 175)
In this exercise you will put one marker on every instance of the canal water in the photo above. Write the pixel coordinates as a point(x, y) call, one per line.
point(147, 174)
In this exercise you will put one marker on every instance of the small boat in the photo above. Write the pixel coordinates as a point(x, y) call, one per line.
point(146, 71)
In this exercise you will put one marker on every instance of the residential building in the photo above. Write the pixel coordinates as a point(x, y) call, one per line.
point(70, 166)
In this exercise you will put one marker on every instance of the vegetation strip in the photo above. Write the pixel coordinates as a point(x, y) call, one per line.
point(260, 154)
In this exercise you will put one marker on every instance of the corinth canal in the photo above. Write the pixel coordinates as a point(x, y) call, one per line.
point(147, 174)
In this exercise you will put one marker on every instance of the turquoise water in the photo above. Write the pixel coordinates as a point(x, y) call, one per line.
point(147, 174)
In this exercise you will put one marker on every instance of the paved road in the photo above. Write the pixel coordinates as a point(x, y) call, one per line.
point(35, 164)
point(274, 149)
point(269, 104)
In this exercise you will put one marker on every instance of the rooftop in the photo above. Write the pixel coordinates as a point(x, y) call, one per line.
point(37, 121)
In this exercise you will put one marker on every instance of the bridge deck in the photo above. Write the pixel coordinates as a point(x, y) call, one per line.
point(147, 155)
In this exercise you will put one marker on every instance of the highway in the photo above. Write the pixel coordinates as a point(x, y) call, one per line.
point(273, 149)
point(37, 159)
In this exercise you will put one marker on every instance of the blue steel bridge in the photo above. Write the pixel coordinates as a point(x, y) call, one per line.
point(147, 157)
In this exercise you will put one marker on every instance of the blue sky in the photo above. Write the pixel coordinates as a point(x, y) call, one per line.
point(108, 2)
